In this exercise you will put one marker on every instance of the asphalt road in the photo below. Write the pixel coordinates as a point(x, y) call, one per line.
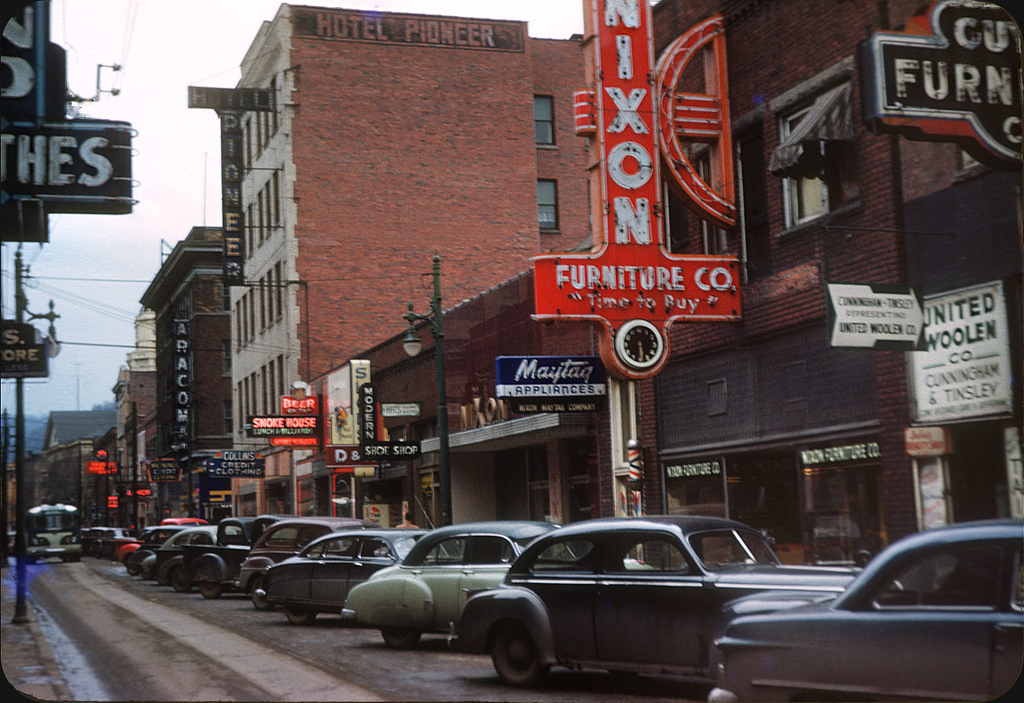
point(129, 639)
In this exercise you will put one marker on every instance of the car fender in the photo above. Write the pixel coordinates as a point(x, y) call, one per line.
point(486, 610)
point(163, 575)
point(397, 601)
point(211, 568)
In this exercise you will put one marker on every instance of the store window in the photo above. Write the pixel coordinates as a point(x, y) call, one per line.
point(547, 204)
point(543, 119)
point(815, 156)
point(841, 503)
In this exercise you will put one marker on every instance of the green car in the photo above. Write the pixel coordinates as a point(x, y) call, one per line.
point(428, 590)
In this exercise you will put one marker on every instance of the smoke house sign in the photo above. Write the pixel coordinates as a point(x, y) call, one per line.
point(952, 75)
point(630, 286)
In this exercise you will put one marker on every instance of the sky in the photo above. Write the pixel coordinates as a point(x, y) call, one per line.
point(95, 268)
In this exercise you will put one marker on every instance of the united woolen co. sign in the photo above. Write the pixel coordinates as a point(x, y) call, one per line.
point(630, 285)
point(952, 75)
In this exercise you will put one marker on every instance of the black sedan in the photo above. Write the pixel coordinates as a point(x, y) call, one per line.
point(319, 577)
point(640, 595)
point(937, 615)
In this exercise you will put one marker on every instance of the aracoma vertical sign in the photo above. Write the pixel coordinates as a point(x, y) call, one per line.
point(182, 379)
point(953, 74)
point(630, 285)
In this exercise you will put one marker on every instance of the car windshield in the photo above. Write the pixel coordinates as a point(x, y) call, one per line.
point(723, 549)
point(404, 545)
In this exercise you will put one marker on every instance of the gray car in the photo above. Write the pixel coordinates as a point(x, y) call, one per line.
point(936, 615)
point(641, 595)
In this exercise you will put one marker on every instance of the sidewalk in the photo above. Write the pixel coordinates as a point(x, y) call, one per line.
point(28, 663)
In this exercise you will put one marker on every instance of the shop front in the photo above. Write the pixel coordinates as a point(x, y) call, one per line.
point(820, 502)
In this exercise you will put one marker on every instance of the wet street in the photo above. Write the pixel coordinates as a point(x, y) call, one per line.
point(121, 638)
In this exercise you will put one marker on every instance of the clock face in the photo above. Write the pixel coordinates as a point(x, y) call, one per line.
point(639, 344)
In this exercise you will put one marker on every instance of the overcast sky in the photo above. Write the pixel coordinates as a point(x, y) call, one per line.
point(96, 267)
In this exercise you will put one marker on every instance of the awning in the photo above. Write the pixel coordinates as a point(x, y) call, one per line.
point(802, 154)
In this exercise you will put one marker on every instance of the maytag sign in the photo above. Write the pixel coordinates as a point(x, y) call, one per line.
point(535, 384)
point(952, 75)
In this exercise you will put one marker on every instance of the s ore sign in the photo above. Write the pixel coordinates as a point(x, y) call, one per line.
point(952, 75)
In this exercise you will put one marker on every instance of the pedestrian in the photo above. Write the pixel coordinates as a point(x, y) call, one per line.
point(408, 523)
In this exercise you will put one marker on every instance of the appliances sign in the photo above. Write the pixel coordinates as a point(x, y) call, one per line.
point(551, 383)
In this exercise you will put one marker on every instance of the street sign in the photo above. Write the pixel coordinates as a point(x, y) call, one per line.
point(874, 317)
point(399, 409)
point(390, 451)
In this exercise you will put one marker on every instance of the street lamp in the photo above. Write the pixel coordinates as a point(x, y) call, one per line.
point(412, 345)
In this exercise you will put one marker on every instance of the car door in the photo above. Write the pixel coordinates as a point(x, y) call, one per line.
point(651, 606)
point(374, 554)
point(564, 576)
point(927, 630)
point(441, 571)
point(487, 561)
point(330, 572)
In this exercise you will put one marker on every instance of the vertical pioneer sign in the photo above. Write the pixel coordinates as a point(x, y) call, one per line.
point(630, 285)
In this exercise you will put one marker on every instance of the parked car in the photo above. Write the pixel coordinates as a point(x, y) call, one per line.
point(319, 578)
point(110, 539)
point(214, 569)
point(284, 539)
point(936, 615)
point(166, 565)
point(636, 595)
point(149, 541)
point(183, 521)
point(428, 590)
point(91, 537)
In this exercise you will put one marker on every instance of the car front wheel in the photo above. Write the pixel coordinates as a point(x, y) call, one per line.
point(180, 581)
point(400, 637)
point(515, 656)
point(297, 615)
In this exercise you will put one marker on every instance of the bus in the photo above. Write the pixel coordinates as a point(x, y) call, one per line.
point(53, 531)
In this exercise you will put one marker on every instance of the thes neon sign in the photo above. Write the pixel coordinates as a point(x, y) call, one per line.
point(630, 285)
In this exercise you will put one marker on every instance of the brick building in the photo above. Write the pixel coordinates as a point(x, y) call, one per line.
point(193, 410)
point(763, 419)
point(392, 137)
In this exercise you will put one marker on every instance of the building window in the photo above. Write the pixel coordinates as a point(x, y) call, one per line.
point(547, 204)
point(225, 358)
point(714, 238)
point(543, 119)
point(815, 156)
point(229, 420)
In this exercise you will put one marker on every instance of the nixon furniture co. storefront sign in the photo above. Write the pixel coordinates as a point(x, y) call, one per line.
point(630, 285)
point(952, 75)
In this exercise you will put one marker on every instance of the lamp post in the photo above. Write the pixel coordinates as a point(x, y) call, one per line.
point(412, 346)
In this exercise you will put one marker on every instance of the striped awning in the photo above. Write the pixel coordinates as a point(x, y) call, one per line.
point(830, 119)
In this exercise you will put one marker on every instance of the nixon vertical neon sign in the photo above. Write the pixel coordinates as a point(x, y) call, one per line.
point(630, 285)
